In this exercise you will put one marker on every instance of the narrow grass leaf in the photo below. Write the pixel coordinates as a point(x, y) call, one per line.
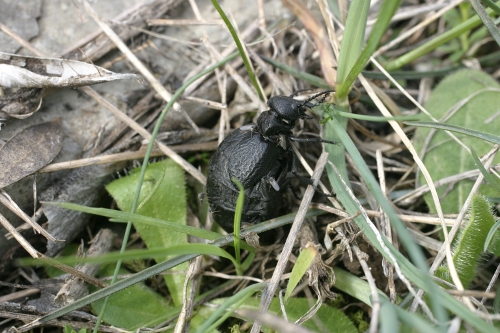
point(194, 248)
point(241, 295)
point(492, 180)
point(458, 129)
point(354, 286)
point(331, 109)
point(386, 12)
point(487, 21)
point(492, 5)
point(353, 40)
point(304, 261)
point(491, 235)
point(241, 50)
point(124, 217)
point(388, 316)
point(237, 218)
point(414, 321)
point(435, 42)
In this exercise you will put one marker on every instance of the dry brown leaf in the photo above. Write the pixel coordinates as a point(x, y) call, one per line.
point(23, 78)
point(29, 150)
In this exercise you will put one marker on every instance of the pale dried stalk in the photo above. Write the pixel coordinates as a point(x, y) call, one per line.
point(19, 238)
point(405, 218)
point(268, 293)
point(7, 201)
point(126, 156)
point(387, 267)
point(373, 287)
point(183, 22)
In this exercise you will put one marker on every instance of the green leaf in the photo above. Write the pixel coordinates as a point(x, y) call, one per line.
point(304, 261)
point(69, 329)
point(163, 196)
point(137, 306)
point(219, 315)
point(444, 157)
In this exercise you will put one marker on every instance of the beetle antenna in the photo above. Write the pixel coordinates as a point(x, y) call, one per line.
point(323, 93)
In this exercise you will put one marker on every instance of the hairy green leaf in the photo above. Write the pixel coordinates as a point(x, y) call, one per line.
point(467, 99)
point(163, 196)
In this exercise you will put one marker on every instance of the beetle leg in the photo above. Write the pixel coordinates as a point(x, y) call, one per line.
point(294, 138)
point(273, 183)
point(305, 180)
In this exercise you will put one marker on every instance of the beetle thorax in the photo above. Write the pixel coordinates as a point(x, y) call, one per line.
point(269, 124)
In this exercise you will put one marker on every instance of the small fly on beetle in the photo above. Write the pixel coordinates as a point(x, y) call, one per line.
point(259, 156)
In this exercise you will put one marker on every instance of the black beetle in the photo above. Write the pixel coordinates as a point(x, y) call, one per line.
point(259, 156)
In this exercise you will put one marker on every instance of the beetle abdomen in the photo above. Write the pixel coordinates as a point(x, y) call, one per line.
point(255, 162)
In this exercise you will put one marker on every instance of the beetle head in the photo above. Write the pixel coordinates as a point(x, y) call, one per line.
point(288, 108)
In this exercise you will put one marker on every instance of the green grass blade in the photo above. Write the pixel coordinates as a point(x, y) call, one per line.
point(458, 129)
point(455, 32)
point(353, 40)
point(487, 21)
point(490, 236)
point(332, 110)
point(388, 316)
point(386, 12)
point(195, 248)
point(413, 320)
point(124, 217)
point(242, 52)
point(492, 180)
point(492, 5)
point(304, 261)
point(242, 295)
point(237, 217)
